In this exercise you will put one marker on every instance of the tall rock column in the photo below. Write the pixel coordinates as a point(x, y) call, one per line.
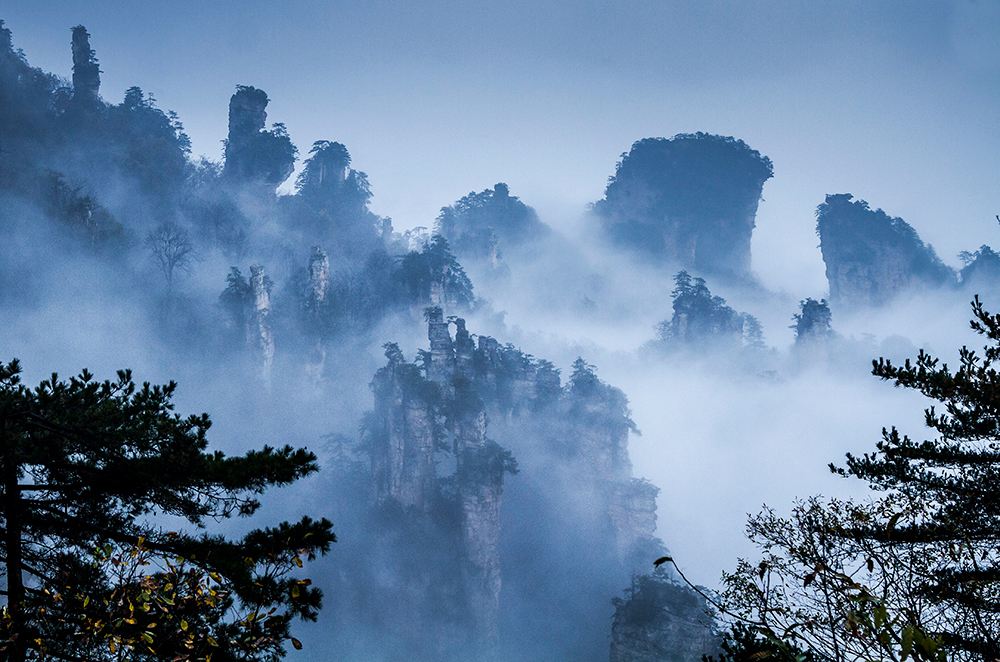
point(442, 356)
point(86, 71)
point(872, 257)
point(689, 201)
point(319, 277)
point(259, 335)
point(479, 475)
point(465, 351)
point(315, 303)
point(255, 155)
point(404, 438)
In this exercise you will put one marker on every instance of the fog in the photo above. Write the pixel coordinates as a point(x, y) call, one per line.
point(837, 97)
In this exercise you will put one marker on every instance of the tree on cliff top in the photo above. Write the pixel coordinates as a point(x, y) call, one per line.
point(253, 153)
point(701, 318)
point(852, 234)
point(89, 465)
point(686, 198)
point(813, 321)
point(434, 276)
point(476, 221)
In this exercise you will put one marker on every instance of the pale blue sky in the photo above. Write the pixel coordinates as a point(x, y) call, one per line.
point(896, 102)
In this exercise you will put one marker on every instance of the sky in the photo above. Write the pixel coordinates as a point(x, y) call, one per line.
point(895, 102)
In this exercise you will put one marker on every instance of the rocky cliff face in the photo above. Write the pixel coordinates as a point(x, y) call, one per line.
point(435, 460)
point(319, 278)
point(981, 270)
point(406, 429)
point(813, 323)
point(260, 338)
point(421, 412)
point(689, 201)
point(86, 71)
point(701, 319)
point(481, 225)
point(254, 154)
point(872, 257)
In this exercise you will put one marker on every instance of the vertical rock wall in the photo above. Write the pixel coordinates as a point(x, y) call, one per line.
point(254, 155)
point(689, 201)
point(86, 72)
point(438, 414)
point(871, 257)
point(260, 338)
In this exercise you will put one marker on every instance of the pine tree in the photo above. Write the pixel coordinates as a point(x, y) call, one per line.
point(948, 487)
point(915, 572)
point(89, 465)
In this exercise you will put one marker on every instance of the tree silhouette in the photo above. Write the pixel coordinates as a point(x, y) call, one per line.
point(172, 250)
point(97, 465)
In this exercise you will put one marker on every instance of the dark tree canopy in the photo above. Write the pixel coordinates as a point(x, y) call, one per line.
point(982, 268)
point(953, 480)
point(702, 319)
point(813, 321)
point(480, 222)
point(93, 465)
point(434, 276)
point(331, 201)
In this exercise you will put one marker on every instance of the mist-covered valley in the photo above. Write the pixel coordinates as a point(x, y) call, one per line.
point(514, 415)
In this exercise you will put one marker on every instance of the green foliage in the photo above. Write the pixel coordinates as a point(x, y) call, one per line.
point(478, 221)
point(850, 232)
point(982, 268)
point(154, 149)
point(94, 465)
point(81, 212)
point(914, 574)
point(743, 643)
point(701, 319)
point(813, 321)
point(953, 479)
point(434, 272)
point(668, 197)
point(591, 401)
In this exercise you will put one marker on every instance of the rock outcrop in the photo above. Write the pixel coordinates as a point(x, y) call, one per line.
point(255, 155)
point(86, 71)
point(872, 257)
point(701, 319)
point(247, 303)
point(434, 461)
point(981, 271)
point(319, 279)
point(406, 432)
point(813, 323)
point(419, 412)
point(689, 201)
point(480, 225)
point(260, 338)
